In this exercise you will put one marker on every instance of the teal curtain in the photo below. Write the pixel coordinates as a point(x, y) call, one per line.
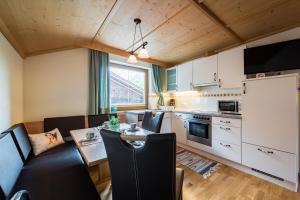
point(158, 75)
point(99, 101)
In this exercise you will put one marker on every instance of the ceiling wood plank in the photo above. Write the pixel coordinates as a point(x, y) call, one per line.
point(119, 52)
point(160, 25)
point(259, 37)
point(7, 34)
point(108, 19)
point(205, 10)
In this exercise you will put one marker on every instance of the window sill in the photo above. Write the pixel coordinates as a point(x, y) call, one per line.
point(134, 107)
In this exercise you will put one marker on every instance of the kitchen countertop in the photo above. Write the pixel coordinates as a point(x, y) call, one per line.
point(187, 111)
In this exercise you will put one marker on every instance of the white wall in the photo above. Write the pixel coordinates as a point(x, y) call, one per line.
point(11, 85)
point(56, 84)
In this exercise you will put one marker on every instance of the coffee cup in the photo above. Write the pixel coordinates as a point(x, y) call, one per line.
point(106, 124)
point(90, 135)
point(133, 126)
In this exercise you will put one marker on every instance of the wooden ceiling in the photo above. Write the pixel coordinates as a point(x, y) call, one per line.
point(177, 30)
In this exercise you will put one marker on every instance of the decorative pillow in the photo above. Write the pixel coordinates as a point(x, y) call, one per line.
point(45, 141)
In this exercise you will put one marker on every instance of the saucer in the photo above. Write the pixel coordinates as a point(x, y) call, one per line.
point(133, 130)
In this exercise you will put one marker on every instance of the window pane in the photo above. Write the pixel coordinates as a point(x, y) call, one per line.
point(127, 85)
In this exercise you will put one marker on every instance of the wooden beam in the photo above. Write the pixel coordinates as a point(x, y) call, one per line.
point(108, 18)
point(11, 39)
point(213, 17)
point(119, 52)
point(160, 25)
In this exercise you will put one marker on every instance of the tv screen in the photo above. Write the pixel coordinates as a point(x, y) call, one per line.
point(274, 57)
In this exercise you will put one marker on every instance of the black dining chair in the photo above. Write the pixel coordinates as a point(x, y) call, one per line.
point(98, 120)
point(144, 173)
point(151, 123)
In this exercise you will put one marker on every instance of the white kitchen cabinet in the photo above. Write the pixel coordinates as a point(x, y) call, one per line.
point(179, 127)
point(277, 163)
point(205, 71)
point(270, 132)
point(226, 121)
point(227, 150)
point(227, 133)
point(166, 125)
point(231, 68)
point(171, 74)
point(270, 112)
point(185, 76)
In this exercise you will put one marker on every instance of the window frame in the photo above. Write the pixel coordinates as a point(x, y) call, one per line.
point(136, 68)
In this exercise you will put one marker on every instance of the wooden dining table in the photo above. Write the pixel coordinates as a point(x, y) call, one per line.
point(94, 154)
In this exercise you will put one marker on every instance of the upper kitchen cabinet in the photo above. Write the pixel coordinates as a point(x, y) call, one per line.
point(231, 68)
point(185, 74)
point(205, 71)
point(172, 79)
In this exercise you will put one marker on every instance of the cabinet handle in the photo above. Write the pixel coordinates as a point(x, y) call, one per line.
point(225, 122)
point(225, 129)
point(244, 88)
point(268, 152)
point(184, 125)
point(215, 76)
point(219, 83)
point(225, 145)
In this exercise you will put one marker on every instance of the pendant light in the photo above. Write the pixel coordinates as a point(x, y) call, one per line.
point(143, 53)
point(132, 59)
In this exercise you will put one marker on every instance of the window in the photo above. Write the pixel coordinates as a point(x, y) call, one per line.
point(128, 86)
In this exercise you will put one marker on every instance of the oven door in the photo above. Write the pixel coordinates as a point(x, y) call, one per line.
point(199, 131)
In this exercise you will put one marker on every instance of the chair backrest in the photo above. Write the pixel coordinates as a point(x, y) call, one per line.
point(20, 136)
point(64, 124)
point(10, 164)
point(142, 173)
point(151, 123)
point(98, 120)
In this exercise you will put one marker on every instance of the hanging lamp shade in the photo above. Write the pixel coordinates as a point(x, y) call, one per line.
point(143, 53)
point(132, 59)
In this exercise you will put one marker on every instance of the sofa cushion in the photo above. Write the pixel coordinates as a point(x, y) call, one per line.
point(57, 174)
point(20, 136)
point(10, 163)
point(64, 124)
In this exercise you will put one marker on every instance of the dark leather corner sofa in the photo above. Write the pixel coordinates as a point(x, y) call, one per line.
point(57, 174)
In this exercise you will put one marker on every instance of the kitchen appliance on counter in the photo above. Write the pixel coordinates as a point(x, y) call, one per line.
point(229, 107)
point(199, 129)
point(172, 102)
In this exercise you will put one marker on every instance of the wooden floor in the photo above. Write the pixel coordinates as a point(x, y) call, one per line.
point(228, 183)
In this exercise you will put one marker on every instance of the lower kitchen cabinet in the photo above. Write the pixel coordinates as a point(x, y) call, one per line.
point(226, 142)
point(166, 125)
point(226, 150)
point(277, 163)
point(179, 126)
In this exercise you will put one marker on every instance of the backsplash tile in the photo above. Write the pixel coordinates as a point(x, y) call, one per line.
point(204, 98)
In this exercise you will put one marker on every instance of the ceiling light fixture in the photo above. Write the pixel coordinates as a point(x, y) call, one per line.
point(143, 53)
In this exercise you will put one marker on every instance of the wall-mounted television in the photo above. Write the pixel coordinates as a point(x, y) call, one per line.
point(273, 57)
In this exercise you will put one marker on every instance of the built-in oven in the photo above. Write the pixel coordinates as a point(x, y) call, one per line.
point(199, 129)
